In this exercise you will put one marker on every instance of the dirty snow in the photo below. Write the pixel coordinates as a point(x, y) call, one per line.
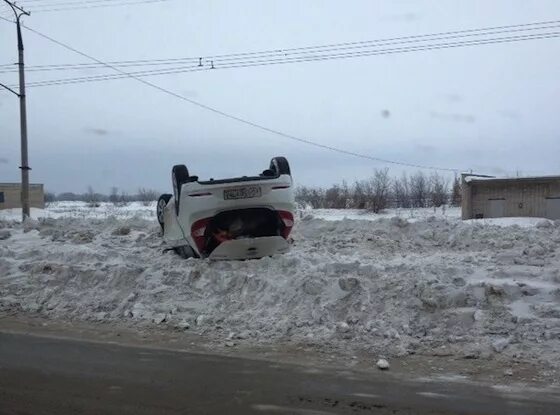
point(388, 286)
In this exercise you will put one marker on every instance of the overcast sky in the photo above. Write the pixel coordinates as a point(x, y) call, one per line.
point(493, 109)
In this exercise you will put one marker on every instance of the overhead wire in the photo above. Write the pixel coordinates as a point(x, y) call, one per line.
point(6, 19)
point(51, 3)
point(278, 61)
point(285, 52)
point(56, 1)
point(136, 76)
point(238, 118)
point(90, 5)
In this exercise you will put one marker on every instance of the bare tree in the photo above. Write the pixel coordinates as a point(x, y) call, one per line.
point(401, 191)
point(67, 197)
point(359, 196)
point(456, 195)
point(438, 190)
point(114, 197)
point(124, 199)
point(318, 198)
point(300, 195)
point(146, 196)
point(345, 194)
point(308, 196)
point(92, 198)
point(380, 192)
point(378, 189)
point(332, 196)
point(336, 197)
point(48, 198)
point(419, 189)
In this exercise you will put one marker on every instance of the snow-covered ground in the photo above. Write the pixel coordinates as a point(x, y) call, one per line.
point(390, 285)
point(82, 210)
point(411, 215)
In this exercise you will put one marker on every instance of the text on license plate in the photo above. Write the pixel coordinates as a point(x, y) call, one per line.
point(242, 193)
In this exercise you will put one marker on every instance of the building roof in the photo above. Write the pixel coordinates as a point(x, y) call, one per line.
point(19, 185)
point(502, 180)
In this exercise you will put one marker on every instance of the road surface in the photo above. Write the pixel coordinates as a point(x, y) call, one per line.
point(46, 375)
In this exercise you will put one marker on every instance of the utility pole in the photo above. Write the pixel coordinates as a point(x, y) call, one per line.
point(18, 12)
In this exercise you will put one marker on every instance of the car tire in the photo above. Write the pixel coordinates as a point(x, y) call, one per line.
point(179, 176)
point(280, 166)
point(185, 252)
point(161, 204)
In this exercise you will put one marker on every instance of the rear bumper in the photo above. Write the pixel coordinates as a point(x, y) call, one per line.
point(250, 248)
point(201, 201)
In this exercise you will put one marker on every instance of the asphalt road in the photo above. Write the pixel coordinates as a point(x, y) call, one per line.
point(42, 375)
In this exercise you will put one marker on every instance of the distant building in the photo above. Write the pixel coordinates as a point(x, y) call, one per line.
point(523, 196)
point(10, 195)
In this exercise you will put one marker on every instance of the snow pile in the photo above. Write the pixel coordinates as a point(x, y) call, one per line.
point(147, 210)
point(389, 286)
point(411, 215)
point(83, 210)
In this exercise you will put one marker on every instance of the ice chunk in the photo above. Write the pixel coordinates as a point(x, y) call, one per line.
point(500, 345)
point(382, 364)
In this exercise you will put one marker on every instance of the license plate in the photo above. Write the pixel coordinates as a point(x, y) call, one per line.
point(242, 193)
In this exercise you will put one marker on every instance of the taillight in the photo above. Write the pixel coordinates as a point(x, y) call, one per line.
point(288, 220)
point(198, 231)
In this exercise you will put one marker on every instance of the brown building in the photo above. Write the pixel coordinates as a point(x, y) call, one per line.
point(523, 196)
point(10, 195)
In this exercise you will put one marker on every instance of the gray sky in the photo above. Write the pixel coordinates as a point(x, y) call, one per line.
point(492, 108)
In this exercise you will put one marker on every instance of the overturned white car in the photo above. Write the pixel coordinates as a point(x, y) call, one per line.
point(238, 218)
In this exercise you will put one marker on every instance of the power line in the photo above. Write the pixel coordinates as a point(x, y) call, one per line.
point(237, 118)
point(285, 52)
point(91, 5)
point(267, 62)
point(66, 3)
point(51, 1)
point(7, 20)
point(57, 3)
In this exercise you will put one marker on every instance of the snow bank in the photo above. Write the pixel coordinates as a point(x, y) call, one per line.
point(83, 210)
point(411, 215)
point(523, 222)
point(389, 286)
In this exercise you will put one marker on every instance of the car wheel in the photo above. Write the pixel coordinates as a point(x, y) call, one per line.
point(185, 252)
point(161, 204)
point(179, 176)
point(280, 166)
